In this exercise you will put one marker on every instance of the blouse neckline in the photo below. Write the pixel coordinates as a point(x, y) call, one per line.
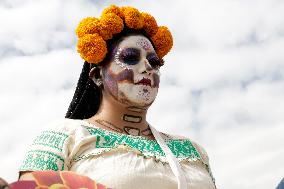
point(107, 140)
point(88, 124)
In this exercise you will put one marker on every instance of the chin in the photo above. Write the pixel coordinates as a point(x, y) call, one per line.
point(137, 95)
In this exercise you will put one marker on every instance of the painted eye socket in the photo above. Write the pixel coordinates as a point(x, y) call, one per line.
point(154, 60)
point(130, 56)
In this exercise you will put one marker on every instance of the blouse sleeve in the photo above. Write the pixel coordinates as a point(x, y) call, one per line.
point(205, 159)
point(50, 149)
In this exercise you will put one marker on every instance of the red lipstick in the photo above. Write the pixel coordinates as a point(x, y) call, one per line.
point(144, 81)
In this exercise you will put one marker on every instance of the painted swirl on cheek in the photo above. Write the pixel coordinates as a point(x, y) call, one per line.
point(126, 75)
point(156, 80)
point(111, 82)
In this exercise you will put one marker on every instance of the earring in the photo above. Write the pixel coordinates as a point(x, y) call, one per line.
point(99, 82)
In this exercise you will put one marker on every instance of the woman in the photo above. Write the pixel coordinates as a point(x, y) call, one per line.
point(105, 134)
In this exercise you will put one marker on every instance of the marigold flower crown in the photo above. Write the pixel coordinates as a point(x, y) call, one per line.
point(93, 32)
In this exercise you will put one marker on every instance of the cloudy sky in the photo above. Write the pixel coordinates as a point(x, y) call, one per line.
point(222, 84)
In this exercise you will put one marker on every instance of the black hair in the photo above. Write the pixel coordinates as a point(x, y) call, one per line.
point(87, 97)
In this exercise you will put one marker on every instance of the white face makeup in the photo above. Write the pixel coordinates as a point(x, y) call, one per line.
point(133, 77)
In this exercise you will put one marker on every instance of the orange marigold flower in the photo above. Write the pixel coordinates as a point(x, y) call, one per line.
point(93, 33)
point(150, 24)
point(133, 18)
point(113, 9)
point(92, 48)
point(163, 41)
point(122, 9)
point(110, 24)
point(89, 25)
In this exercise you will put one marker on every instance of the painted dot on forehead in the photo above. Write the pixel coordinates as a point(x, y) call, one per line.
point(143, 43)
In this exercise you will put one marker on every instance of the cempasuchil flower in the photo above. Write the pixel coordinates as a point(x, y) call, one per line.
point(92, 48)
point(113, 9)
point(150, 24)
point(163, 41)
point(93, 32)
point(110, 24)
point(89, 25)
point(133, 18)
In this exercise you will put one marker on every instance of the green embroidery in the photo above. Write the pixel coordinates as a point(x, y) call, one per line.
point(107, 140)
point(52, 139)
point(42, 160)
point(183, 148)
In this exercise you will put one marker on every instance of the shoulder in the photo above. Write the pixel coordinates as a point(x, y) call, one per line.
point(51, 148)
point(67, 126)
point(201, 151)
point(56, 133)
point(197, 148)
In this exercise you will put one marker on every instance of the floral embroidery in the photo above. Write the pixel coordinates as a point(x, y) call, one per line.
point(52, 139)
point(42, 160)
point(47, 149)
point(46, 152)
point(107, 140)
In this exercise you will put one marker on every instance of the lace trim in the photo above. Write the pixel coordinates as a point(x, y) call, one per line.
point(126, 148)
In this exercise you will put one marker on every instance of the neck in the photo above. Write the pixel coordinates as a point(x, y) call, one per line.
point(122, 118)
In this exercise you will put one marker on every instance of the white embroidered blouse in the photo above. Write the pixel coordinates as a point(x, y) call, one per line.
point(117, 160)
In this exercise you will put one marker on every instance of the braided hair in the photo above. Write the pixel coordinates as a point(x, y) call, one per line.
point(87, 97)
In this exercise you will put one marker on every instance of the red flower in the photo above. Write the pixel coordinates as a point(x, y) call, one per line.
point(64, 180)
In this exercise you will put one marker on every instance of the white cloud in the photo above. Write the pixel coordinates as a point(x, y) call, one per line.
point(222, 83)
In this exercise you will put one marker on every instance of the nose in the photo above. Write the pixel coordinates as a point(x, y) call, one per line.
point(147, 68)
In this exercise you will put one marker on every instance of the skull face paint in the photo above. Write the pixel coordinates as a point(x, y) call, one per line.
point(143, 43)
point(132, 76)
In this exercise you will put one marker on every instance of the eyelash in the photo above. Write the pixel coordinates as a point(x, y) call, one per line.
point(154, 61)
point(132, 57)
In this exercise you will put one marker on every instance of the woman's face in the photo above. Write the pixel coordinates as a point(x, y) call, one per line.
point(132, 76)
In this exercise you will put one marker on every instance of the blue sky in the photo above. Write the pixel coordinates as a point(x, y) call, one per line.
point(222, 84)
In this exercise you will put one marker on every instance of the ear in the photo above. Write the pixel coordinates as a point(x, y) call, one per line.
point(96, 75)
